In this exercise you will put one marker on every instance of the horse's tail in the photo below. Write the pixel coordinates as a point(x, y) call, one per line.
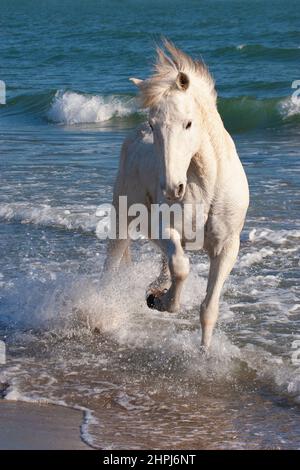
point(126, 258)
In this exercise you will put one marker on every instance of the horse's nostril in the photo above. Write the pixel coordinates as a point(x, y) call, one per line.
point(171, 194)
point(180, 190)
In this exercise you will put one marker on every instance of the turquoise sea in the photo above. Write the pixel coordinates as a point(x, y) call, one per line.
point(137, 375)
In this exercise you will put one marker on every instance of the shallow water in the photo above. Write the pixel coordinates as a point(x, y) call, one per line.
point(138, 374)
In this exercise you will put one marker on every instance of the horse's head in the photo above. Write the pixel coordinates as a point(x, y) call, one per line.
point(174, 115)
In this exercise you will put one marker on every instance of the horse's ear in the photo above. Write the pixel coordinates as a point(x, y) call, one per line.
point(182, 81)
point(136, 81)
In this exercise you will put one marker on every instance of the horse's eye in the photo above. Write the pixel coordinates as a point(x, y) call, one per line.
point(189, 124)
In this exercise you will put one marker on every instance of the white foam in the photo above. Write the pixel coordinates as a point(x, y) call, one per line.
point(278, 237)
point(73, 218)
point(274, 370)
point(122, 314)
point(289, 107)
point(74, 108)
point(88, 420)
point(256, 257)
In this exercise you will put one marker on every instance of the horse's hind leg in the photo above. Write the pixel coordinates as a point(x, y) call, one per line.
point(178, 265)
point(116, 252)
point(220, 267)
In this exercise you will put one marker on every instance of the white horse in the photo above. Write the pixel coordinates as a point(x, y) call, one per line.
point(184, 154)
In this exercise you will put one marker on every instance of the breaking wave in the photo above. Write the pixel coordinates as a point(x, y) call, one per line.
point(71, 108)
point(75, 108)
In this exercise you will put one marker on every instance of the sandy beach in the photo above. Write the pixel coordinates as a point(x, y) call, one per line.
point(25, 426)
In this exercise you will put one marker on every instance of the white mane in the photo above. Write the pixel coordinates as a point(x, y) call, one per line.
point(176, 71)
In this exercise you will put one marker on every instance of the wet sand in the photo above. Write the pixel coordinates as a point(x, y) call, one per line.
point(39, 427)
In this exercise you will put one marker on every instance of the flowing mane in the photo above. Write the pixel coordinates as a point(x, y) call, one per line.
point(175, 70)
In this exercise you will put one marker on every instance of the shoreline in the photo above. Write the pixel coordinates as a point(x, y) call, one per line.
point(26, 426)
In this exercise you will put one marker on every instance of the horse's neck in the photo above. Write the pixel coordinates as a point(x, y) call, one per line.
point(206, 163)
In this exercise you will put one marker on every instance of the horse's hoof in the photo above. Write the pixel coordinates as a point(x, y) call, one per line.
point(151, 301)
point(155, 303)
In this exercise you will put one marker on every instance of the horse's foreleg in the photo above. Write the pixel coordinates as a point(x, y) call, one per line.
point(220, 267)
point(163, 281)
point(178, 265)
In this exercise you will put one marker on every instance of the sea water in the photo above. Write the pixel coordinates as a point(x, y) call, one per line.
point(138, 375)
